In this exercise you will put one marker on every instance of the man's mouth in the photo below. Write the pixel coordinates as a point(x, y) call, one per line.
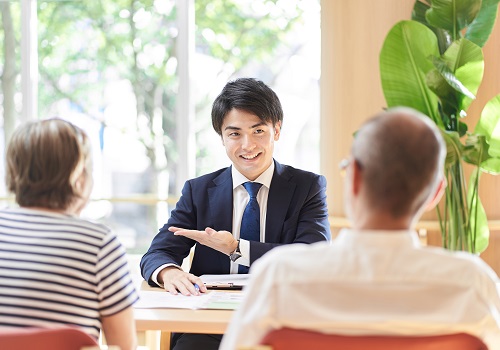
point(250, 156)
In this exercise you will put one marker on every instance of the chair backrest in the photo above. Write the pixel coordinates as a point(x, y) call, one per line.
point(295, 339)
point(45, 339)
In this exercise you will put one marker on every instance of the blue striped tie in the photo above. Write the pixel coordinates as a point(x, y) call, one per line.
point(250, 222)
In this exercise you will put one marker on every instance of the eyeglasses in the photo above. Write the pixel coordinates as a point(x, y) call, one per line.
point(344, 163)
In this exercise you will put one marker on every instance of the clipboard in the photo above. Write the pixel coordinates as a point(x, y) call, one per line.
point(225, 282)
point(223, 286)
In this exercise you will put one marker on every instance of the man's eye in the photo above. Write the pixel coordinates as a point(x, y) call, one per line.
point(259, 131)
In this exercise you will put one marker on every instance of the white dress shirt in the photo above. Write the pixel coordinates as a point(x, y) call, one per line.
point(368, 282)
point(240, 201)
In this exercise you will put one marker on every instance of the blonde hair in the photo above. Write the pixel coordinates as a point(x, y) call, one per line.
point(44, 161)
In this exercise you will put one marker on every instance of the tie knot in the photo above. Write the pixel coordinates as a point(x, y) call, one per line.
point(252, 188)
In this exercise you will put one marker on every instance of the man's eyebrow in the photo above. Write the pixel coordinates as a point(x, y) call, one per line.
point(229, 127)
point(257, 125)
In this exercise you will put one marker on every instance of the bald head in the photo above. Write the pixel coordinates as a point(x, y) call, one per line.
point(401, 154)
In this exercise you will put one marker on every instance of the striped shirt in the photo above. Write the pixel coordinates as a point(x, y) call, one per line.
point(58, 269)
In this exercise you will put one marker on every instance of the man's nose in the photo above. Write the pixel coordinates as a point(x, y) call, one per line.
point(248, 142)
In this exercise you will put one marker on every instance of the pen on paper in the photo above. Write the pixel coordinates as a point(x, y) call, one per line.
point(197, 288)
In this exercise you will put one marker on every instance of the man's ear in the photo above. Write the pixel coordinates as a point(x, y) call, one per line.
point(437, 194)
point(277, 131)
point(356, 177)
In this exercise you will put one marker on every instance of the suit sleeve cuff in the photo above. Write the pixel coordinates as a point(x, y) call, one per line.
point(154, 276)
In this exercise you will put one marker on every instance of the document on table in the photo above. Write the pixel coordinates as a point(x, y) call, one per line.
point(223, 301)
point(229, 281)
point(210, 300)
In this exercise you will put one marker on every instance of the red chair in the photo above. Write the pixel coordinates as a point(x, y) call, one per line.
point(298, 339)
point(45, 339)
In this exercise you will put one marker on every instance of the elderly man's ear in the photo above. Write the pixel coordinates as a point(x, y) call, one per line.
point(356, 177)
point(438, 193)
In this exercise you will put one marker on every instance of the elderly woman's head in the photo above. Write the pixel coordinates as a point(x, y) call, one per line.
point(49, 165)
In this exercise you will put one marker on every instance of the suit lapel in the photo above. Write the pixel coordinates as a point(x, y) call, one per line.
point(278, 202)
point(220, 198)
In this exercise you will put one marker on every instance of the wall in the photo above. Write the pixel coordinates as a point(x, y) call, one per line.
point(352, 35)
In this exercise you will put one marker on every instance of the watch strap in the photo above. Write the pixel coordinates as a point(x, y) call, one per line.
point(236, 254)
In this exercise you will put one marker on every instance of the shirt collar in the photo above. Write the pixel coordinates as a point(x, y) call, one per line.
point(386, 238)
point(264, 178)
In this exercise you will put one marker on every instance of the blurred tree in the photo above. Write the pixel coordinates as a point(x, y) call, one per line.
point(115, 61)
point(84, 44)
point(9, 69)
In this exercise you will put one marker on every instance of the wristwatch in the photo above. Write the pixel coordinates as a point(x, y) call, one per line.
point(236, 254)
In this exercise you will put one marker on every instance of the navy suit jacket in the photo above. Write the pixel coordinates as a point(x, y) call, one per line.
point(296, 213)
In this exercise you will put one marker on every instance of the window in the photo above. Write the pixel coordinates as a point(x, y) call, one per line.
point(117, 69)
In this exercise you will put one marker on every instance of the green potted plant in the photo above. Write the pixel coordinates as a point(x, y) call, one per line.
point(434, 63)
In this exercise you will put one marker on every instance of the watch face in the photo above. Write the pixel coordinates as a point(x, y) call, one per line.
point(235, 256)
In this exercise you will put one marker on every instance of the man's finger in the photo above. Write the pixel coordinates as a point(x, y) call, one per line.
point(196, 280)
point(210, 230)
point(191, 288)
point(169, 287)
point(186, 233)
point(184, 290)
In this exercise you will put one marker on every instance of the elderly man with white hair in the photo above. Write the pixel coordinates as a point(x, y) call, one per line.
point(375, 278)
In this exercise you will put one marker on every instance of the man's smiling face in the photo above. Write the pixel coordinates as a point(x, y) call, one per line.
point(249, 142)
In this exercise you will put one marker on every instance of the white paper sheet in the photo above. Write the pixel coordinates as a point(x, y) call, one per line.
point(162, 299)
point(210, 300)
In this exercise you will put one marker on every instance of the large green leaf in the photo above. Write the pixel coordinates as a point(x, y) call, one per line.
point(480, 233)
point(443, 36)
point(489, 126)
point(453, 15)
point(491, 166)
point(480, 29)
point(404, 63)
point(418, 12)
point(466, 60)
point(448, 77)
point(461, 53)
point(471, 80)
point(455, 81)
point(440, 81)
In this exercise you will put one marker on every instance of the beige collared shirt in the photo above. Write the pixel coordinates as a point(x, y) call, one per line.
point(368, 282)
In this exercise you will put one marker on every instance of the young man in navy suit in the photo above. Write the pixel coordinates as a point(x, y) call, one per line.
point(291, 202)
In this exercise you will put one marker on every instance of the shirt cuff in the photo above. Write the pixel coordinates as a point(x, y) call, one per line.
point(154, 276)
point(245, 253)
